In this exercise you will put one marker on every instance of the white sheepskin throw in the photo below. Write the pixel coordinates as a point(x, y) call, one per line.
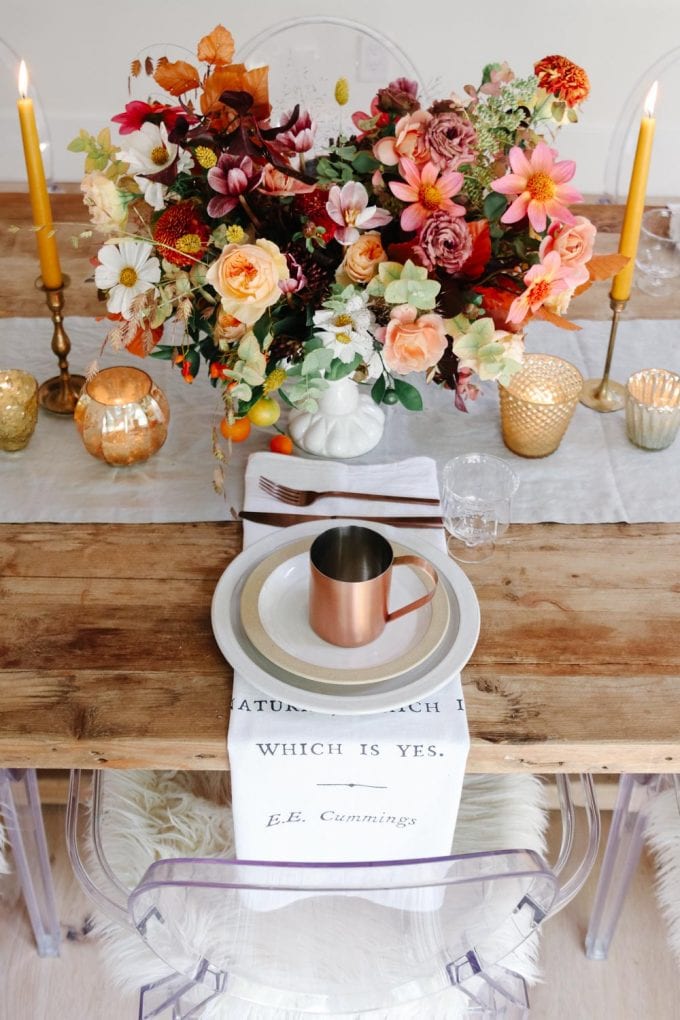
point(663, 836)
point(149, 816)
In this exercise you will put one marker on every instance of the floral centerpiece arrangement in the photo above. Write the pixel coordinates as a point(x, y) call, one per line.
point(420, 244)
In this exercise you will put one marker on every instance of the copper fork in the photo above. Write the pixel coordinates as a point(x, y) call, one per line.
point(305, 497)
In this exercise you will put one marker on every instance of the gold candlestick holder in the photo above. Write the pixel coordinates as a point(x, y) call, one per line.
point(603, 394)
point(59, 394)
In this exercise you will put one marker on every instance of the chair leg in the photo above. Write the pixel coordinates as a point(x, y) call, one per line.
point(621, 858)
point(20, 807)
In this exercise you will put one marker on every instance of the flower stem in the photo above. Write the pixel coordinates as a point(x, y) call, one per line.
point(249, 212)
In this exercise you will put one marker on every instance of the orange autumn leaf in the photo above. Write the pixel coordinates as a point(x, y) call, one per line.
point(556, 320)
point(235, 78)
point(601, 267)
point(176, 76)
point(217, 48)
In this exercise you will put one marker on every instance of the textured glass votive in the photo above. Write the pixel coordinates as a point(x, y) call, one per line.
point(122, 416)
point(18, 408)
point(538, 403)
point(653, 408)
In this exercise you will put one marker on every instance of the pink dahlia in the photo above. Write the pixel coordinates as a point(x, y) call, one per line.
point(540, 185)
point(545, 282)
point(427, 191)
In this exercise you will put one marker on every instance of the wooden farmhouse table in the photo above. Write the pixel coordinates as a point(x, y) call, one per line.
point(107, 657)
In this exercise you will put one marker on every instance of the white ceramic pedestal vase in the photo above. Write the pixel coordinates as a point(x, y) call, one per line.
point(347, 423)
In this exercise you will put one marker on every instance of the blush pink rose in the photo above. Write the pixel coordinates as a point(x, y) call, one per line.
point(573, 244)
point(412, 343)
point(408, 140)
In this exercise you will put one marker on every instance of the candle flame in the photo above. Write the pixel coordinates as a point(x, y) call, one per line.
point(650, 100)
point(23, 80)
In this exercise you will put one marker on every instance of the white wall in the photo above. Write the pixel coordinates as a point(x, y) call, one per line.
point(79, 51)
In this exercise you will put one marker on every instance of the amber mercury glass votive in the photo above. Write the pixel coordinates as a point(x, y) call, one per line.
point(122, 416)
point(18, 408)
point(538, 403)
point(653, 408)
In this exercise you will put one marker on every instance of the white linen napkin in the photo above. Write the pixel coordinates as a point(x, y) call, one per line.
point(314, 787)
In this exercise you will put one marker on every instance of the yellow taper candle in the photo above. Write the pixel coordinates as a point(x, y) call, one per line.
point(635, 203)
point(37, 187)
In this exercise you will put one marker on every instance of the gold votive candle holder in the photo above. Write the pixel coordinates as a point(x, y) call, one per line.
point(538, 403)
point(122, 416)
point(653, 408)
point(18, 408)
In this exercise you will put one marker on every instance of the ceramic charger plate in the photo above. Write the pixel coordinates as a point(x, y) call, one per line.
point(422, 680)
point(275, 616)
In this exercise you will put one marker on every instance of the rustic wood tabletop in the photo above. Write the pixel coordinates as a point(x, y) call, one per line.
point(107, 657)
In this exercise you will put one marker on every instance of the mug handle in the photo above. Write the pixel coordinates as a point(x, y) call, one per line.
point(421, 564)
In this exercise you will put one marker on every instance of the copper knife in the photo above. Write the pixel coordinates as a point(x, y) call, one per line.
point(283, 520)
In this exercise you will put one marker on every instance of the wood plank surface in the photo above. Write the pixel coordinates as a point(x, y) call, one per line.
point(577, 665)
point(107, 657)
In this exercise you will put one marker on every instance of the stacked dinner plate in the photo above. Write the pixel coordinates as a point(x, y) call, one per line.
point(260, 621)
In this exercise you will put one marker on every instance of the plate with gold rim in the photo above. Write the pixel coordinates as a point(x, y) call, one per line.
point(408, 688)
point(275, 616)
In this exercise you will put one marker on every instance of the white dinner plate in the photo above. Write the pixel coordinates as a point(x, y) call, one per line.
point(421, 681)
point(275, 616)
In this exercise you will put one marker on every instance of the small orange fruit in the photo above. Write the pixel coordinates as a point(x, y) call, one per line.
point(281, 444)
point(237, 431)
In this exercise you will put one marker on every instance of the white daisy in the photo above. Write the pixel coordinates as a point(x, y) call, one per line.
point(345, 327)
point(126, 269)
point(148, 152)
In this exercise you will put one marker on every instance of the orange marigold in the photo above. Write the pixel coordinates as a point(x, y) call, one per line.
point(181, 235)
point(563, 79)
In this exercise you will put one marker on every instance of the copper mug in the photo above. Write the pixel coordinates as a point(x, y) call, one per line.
point(351, 572)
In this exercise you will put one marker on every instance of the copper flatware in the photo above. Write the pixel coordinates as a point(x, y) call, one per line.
point(284, 520)
point(305, 497)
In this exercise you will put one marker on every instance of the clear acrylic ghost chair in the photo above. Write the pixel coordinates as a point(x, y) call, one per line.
point(12, 166)
point(308, 56)
point(22, 816)
point(663, 177)
point(635, 797)
point(327, 939)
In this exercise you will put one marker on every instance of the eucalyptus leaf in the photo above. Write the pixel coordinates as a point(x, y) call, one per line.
point(339, 369)
point(365, 163)
point(494, 205)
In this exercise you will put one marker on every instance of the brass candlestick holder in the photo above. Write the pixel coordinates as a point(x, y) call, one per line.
point(603, 394)
point(59, 394)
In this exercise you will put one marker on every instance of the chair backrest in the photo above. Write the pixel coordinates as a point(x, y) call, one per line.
point(350, 933)
point(664, 177)
point(308, 57)
point(12, 166)
point(339, 938)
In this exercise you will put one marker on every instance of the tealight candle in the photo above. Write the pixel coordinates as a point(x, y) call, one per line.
point(653, 408)
point(538, 403)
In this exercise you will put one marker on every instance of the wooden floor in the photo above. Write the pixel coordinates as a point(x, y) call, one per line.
point(639, 982)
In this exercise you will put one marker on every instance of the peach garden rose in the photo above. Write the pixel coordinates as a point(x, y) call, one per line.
point(363, 257)
point(573, 244)
point(246, 276)
point(413, 343)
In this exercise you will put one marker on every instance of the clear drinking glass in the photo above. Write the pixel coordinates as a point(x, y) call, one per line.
point(477, 491)
point(658, 255)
